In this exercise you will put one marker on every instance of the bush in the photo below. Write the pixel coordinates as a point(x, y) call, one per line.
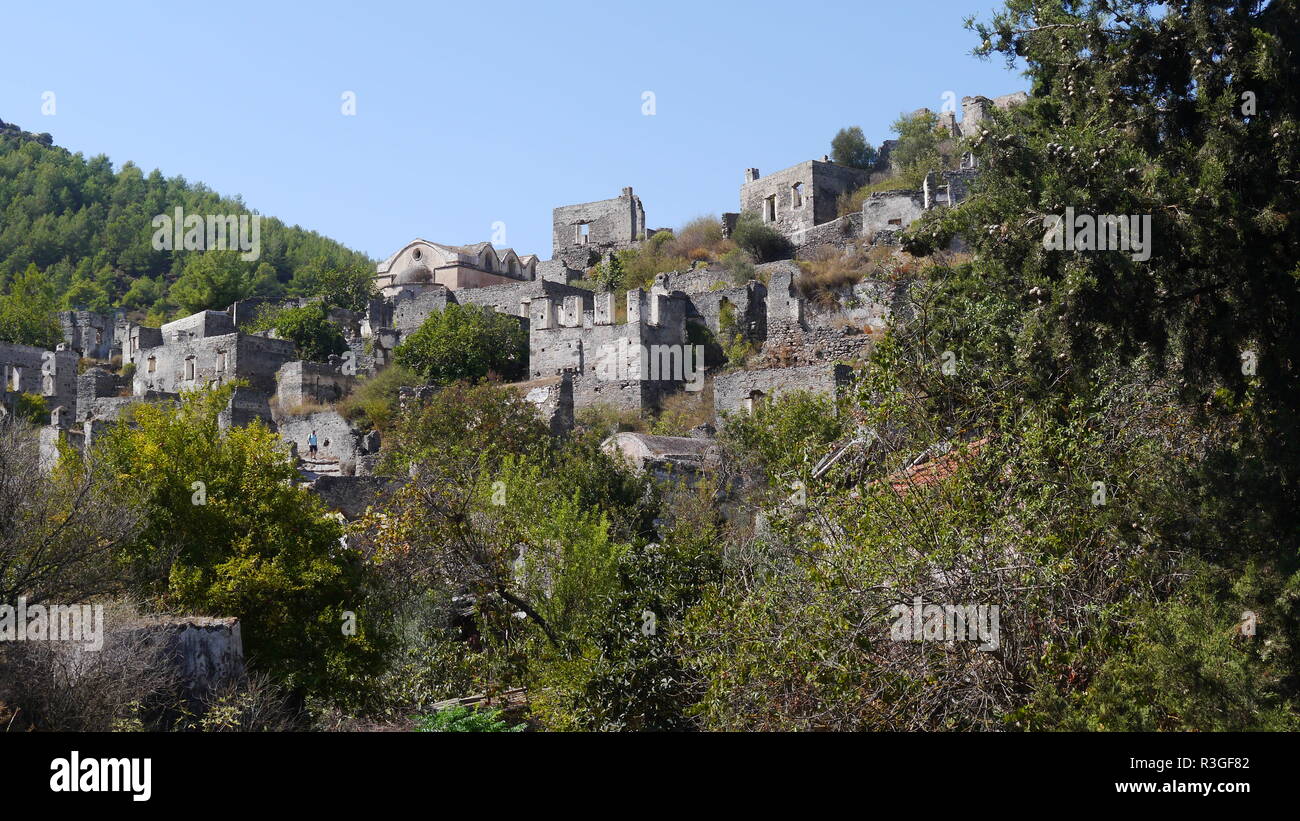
point(759, 240)
point(308, 327)
point(849, 147)
point(738, 264)
point(465, 720)
point(373, 403)
point(32, 408)
point(465, 342)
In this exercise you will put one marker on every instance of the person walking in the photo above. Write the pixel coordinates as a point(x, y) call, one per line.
point(311, 444)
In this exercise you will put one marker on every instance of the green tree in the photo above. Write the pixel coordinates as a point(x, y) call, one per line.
point(465, 342)
point(211, 280)
point(28, 311)
point(230, 532)
point(917, 150)
point(308, 327)
point(849, 147)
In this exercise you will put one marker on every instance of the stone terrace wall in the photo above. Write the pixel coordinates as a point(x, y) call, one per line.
point(839, 233)
point(739, 391)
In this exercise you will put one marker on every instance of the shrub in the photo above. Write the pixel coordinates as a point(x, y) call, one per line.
point(606, 420)
point(759, 240)
point(465, 720)
point(32, 408)
point(373, 403)
point(830, 271)
point(465, 342)
point(682, 411)
point(849, 147)
point(308, 327)
point(738, 264)
point(702, 235)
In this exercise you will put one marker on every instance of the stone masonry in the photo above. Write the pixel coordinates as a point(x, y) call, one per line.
point(581, 233)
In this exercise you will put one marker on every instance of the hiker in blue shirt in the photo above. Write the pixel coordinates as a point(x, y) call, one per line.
point(311, 444)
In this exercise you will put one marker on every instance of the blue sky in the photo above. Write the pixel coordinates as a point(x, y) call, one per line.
point(471, 113)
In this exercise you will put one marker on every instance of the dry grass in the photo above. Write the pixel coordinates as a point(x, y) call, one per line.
point(682, 411)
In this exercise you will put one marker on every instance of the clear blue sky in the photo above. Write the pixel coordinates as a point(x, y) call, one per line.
point(474, 112)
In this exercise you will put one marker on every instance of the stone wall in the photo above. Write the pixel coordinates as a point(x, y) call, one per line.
point(553, 398)
point(605, 224)
point(246, 406)
point(796, 199)
point(839, 233)
point(554, 270)
point(605, 357)
point(338, 445)
point(140, 338)
point(695, 281)
point(198, 326)
point(742, 391)
point(303, 383)
point(212, 360)
point(799, 333)
point(406, 310)
point(514, 299)
point(891, 210)
point(90, 334)
point(206, 653)
point(28, 369)
point(351, 495)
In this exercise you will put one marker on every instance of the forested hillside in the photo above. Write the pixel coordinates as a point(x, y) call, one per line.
point(86, 227)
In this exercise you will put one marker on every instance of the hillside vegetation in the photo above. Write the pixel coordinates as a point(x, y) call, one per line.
point(86, 227)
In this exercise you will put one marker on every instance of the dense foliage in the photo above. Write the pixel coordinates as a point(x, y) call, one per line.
point(229, 531)
point(465, 342)
point(89, 229)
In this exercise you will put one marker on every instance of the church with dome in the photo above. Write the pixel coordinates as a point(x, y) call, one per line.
point(455, 267)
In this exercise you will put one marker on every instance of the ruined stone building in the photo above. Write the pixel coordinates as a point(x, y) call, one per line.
point(798, 198)
point(581, 234)
point(205, 350)
point(93, 335)
point(26, 369)
point(629, 365)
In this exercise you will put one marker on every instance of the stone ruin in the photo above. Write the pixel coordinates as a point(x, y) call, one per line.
point(581, 234)
point(583, 351)
point(801, 202)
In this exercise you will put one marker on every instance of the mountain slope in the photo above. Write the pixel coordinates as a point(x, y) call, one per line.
point(89, 229)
